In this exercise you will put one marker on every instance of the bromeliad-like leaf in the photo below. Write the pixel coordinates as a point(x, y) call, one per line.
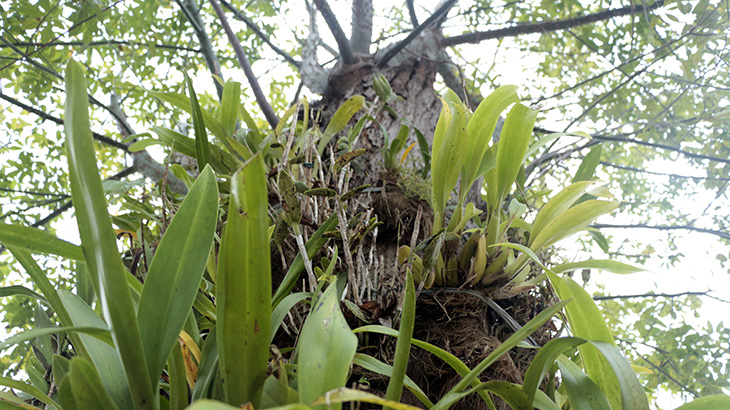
point(325, 350)
point(571, 221)
point(99, 242)
point(449, 152)
point(516, 134)
point(559, 204)
point(480, 129)
point(244, 287)
point(176, 271)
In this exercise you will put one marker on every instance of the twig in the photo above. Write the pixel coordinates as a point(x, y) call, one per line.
point(46, 116)
point(103, 43)
point(256, 30)
point(266, 108)
point(412, 13)
point(660, 295)
point(393, 51)
point(542, 27)
point(192, 13)
point(721, 234)
point(342, 43)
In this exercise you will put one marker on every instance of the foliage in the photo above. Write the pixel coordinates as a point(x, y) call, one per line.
point(648, 83)
point(144, 320)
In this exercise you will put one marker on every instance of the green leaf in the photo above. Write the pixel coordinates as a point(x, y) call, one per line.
point(511, 393)
point(99, 242)
point(220, 160)
point(600, 264)
point(583, 394)
point(279, 312)
point(207, 368)
point(313, 245)
point(340, 119)
point(715, 402)
point(585, 321)
point(516, 134)
point(374, 365)
point(17, 290)
point(325, 350)
point(99, 333)
point(202, 150)
point(28, 389)
point(182, 102)
point(206, 404)
point(102, 355)
point(559, 204)
point(38, 241)
point(480, 130)
point(403, 344)
point(449, 152)
point(587, 167)
point(278, 393)
point(229, 107)
point(334, 400)
point(87, 389)
point(544, 359)
point(244, 287)
point(571, 221)
point(176, 271)
point(143, 144)
point(632, 392)
point(178, 381)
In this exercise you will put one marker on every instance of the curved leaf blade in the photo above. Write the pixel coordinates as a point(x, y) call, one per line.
point(98, 239)
point(326, 349)
point(176, 271)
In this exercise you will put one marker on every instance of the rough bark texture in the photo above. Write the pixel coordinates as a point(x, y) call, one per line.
point(412, 80)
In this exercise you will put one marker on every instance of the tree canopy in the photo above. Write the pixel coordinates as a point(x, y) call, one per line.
point(636, 91)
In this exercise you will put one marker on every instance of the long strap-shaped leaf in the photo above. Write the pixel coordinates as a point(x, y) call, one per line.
point(176, 271)
point(99, 242)
point(244, 287)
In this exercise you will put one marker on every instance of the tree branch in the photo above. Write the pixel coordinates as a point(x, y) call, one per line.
point(246, 66)
point(721, 234)
point(251, 25)
point(192, 12)
point(412, 13)
point(342, 43)
point(393, 51)
point(633, 169)
point(362, 26)
point(660, 295)
point(101, 44)
point(543, 27)
point(45, 116)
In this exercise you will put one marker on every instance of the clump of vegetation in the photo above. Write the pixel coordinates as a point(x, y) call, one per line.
point(197, 327)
